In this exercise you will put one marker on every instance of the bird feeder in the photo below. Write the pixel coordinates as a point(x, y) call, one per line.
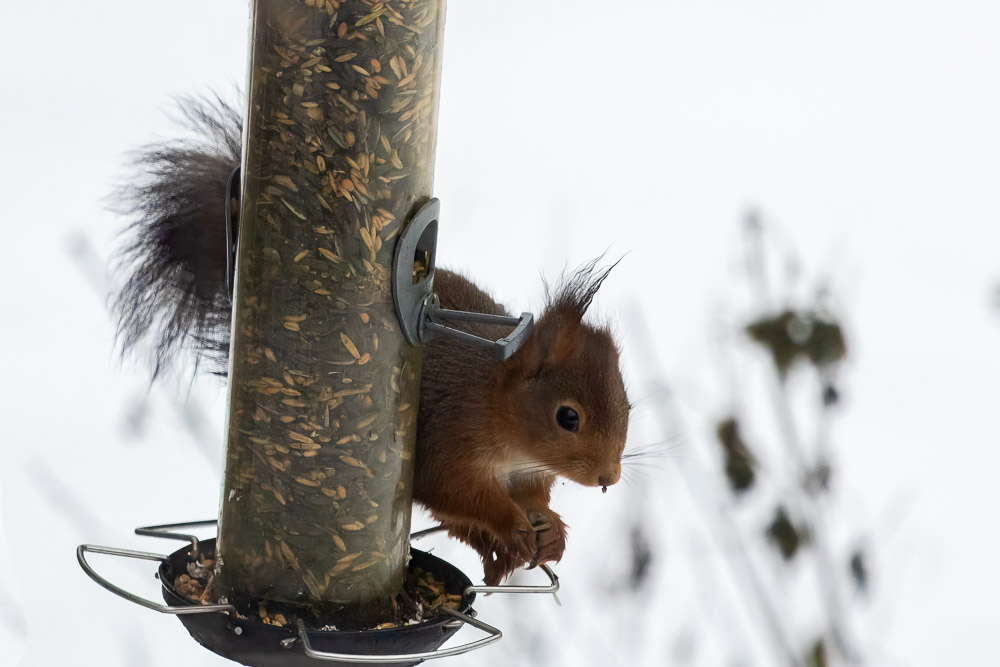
point(323, 387)
point(333, 272)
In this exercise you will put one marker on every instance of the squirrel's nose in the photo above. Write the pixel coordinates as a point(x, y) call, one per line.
point(608, 479)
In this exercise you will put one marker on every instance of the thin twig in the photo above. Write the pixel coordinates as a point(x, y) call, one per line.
point(742, 570)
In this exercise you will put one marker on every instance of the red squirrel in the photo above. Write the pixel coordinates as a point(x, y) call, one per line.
point(492, 436)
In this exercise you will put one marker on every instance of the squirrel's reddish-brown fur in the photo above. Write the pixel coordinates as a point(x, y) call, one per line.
point(490, 441)
point(489, 446)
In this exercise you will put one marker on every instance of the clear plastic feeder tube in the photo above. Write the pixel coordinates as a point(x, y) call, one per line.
point(323, 388)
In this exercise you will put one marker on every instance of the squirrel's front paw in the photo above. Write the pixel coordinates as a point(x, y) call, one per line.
point(550, 536)
point(502, 552)
point(498, 563)
point(502, 555)
point(522, 542)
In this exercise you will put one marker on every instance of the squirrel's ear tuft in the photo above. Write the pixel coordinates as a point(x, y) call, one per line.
point(556, 331)
point(574, 293)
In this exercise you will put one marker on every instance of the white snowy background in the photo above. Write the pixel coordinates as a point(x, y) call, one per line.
point(866, 133)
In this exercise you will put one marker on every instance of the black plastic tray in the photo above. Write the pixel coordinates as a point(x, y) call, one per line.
point(251, 642)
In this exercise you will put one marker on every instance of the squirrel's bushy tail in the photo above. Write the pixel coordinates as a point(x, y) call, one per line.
point(174, 259)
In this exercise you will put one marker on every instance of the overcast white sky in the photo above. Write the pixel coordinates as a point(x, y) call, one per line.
point(866, 131)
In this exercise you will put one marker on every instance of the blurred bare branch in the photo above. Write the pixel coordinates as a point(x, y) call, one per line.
point(11, 616)
point(138, 412)
point(65, 501)
point(717, 518)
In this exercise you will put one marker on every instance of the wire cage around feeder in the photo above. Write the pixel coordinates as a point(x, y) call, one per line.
point(331, 298)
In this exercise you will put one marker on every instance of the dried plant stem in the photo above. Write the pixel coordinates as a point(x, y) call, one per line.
point(811, 509)
point(809, 506)
point(723, 529)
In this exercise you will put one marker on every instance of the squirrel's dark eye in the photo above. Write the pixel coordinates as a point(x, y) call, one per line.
point(568, 419)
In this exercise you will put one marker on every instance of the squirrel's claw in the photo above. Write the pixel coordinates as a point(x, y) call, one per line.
point(550, 538)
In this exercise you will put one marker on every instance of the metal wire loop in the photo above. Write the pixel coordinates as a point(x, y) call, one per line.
point(83, 549)
point(494, 636)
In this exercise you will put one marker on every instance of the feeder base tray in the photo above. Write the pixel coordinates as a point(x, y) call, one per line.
point(251, 642)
